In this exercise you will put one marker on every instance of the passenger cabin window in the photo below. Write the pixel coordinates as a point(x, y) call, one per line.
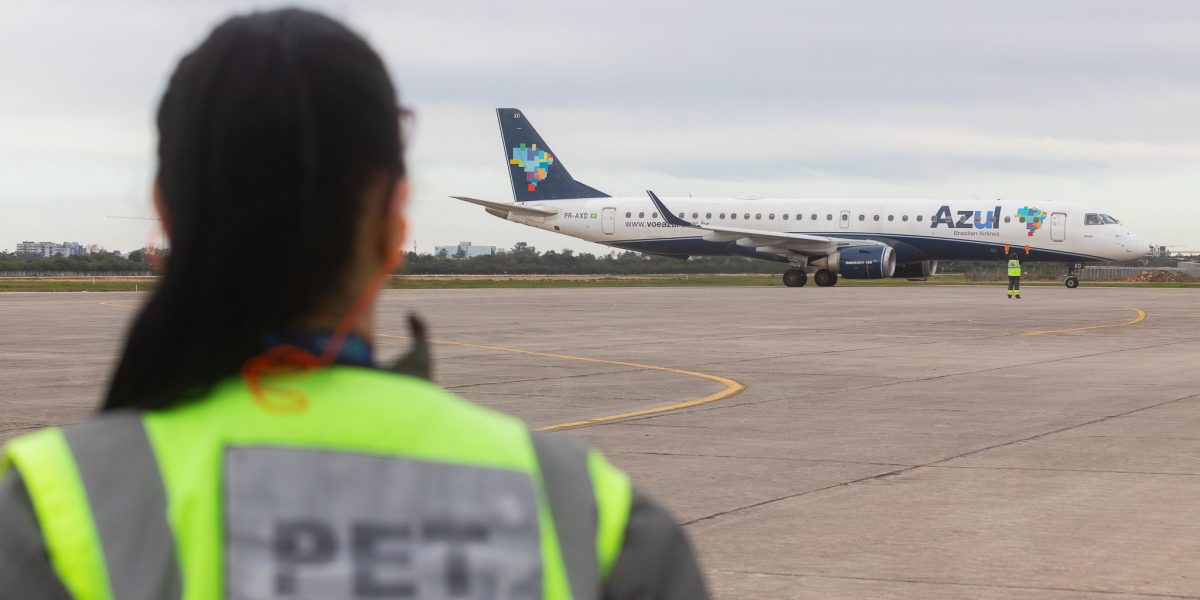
point(654, 215)
point(862, 217)
point(641, 215)
point(845, 217)
point(920, 218)
point(732, 215)
point(771, 217)
point(784, 216)
point(829, 217)
point(814, 216)
point(722, 215)
point(904, 218)
point(891, 217)
point(709, 216)
point(746, 216)
point(876, 218)
point(628, 215)
point(800, 217)
point(695, 215)
point(758, 216)
point(1008, 219)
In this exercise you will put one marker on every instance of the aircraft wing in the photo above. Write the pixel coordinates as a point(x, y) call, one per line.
point(771, 241)
point(529, 211)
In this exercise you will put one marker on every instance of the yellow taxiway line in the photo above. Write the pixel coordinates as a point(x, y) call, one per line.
point(1141, 316)
point(732, 387)
point(115, 304)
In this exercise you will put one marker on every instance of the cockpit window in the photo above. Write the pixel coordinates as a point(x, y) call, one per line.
point(1096, 219)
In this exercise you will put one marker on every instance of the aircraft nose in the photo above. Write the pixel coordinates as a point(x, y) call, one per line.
point(1137, 245)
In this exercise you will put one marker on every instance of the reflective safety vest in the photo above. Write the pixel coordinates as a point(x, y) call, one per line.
point(1014, 268)
point(362, 483)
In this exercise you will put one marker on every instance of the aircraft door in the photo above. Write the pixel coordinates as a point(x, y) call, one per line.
point(844, 221)
point(608, 221)
point(1058, 227)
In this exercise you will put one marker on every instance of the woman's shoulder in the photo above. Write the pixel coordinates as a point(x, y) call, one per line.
point(420, 397)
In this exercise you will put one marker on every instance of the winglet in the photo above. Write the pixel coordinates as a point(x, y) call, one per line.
point(666, 213)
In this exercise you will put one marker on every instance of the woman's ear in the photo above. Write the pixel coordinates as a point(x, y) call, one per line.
point(397, 226)
point(160, 207)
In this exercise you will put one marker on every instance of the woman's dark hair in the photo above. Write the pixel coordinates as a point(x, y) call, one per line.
point(271, 134)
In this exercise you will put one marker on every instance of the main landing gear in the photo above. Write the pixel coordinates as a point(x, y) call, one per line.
point(1072, 278)
point(825, 278)
point(795, 277)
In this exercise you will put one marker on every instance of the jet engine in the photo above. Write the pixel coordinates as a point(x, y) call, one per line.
point(916, 270)
point(860, 262)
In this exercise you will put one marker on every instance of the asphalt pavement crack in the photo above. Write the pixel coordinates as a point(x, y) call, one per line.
point(719, 514)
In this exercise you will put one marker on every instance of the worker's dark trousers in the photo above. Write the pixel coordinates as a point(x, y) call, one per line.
point(1014, 285)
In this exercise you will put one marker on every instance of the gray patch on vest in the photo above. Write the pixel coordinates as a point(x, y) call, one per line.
point(320, 524)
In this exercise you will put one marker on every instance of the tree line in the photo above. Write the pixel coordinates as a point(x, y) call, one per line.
point(95, 262)
point(521, 259)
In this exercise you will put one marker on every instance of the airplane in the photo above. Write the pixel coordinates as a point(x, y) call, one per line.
point(827, 237)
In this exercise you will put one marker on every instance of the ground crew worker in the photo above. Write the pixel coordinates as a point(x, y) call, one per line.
point(1014, 276)
point(248, 447)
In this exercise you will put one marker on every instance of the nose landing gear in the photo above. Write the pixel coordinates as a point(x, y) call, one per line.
point(1072, 278)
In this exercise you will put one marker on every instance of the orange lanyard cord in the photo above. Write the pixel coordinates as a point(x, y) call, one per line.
point(288, 358)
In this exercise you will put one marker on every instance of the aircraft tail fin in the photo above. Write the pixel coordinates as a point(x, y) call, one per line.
point(536, 173)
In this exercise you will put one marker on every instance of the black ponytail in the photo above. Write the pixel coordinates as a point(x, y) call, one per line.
point(271, 134)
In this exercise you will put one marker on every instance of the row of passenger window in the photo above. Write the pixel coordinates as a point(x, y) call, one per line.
point(785, 216)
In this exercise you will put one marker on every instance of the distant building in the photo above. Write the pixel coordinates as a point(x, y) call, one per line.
point(464, 250)
point(52, 249)
point(70, 249)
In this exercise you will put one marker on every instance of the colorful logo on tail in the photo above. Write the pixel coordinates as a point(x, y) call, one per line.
point(536, 163)
point(1032, 218)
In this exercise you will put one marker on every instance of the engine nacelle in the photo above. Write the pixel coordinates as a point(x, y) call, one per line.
point(860, 262)
point(916, 270)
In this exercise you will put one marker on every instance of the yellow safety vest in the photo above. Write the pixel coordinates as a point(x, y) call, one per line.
point(356, 482)
point(1014, 268)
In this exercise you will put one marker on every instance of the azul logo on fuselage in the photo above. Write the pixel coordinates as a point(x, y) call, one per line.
point(966, 219)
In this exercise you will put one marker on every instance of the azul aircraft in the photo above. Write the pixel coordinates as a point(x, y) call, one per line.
point(855, 239)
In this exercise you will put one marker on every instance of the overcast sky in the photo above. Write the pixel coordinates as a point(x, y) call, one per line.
point(1092, 101)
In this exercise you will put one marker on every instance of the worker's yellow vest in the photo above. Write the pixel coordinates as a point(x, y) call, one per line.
point(340, 482)
point(1014, 268)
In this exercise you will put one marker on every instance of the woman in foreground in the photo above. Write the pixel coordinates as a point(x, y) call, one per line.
point(249, 446)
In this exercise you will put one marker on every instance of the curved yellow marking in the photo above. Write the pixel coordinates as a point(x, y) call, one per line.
point(1141, 316)
point(732, 387)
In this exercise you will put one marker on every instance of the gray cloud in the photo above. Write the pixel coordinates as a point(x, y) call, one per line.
point(1089, 101)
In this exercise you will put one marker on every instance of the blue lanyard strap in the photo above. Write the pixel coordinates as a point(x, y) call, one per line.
point(355, 349)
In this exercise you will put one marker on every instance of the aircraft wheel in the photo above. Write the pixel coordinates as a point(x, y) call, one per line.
point(825, 278)
point(1072, 282)
point(795, 278)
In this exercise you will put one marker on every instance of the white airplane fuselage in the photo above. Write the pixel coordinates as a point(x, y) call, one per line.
point(916, 229)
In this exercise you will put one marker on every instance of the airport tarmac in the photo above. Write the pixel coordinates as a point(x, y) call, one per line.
point(899, 442)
